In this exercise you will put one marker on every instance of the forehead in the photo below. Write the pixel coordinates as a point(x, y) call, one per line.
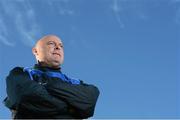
point(52, 38)
point(47, 39)
point(43, 41)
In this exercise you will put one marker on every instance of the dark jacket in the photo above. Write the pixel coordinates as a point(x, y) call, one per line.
point(48, 97)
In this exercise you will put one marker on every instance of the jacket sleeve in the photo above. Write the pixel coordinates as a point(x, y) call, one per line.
point(81, 97)
point(30, 95)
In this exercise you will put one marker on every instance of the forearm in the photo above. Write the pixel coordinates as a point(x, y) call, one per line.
point(30, 95)
point(81, 97)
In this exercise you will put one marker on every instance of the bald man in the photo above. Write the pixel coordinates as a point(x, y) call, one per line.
point(49, 51)
point(43, 91)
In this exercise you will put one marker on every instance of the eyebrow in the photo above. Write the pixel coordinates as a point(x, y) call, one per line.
point(60, 43)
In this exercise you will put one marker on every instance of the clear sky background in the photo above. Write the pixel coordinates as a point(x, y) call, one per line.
point(130, 49)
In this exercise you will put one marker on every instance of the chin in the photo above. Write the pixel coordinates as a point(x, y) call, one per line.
point(56, 63)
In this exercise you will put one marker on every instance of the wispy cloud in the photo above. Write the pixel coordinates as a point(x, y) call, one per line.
point(61, 6)
point(65, 12)
point(176, 4)
point(130, 8)
point(175, 0)
point(177, 17)
point(4, 34)
point(22, 16)
point(117, 10)
point(27, 25)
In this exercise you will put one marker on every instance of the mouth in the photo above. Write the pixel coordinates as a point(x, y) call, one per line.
point(56, 54)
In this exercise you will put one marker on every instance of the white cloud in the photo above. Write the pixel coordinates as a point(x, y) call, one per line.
point(177, 18)
point(175, 0)
point(61, 6)
point(22, 15)
point(130, 8)
point(4, 40)
point(176, 5)
point(66, 11)
point(116, 10)
point(26, 34)
point(4, 34)
point(23, 18)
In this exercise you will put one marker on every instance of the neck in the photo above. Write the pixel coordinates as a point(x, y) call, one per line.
point(43, 64)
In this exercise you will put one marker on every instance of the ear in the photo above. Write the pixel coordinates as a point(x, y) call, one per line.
point(34, 51)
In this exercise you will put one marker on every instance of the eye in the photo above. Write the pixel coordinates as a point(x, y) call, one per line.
point(51, 43)
point(61, 46)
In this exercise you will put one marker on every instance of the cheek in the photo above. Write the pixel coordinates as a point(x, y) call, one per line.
point(46, 54)
point(62, 57)
point(62, 52)
point(48, 51)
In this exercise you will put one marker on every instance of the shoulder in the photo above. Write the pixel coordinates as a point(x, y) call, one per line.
point(90, 86)
point(16, 70)
point(15, 74)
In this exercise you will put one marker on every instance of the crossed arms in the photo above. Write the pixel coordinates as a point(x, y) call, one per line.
point(56, 97)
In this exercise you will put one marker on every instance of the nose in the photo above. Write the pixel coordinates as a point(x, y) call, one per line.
point(57, 47)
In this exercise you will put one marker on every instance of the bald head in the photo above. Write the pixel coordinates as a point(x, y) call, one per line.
point(49, 51)
point(46, 38)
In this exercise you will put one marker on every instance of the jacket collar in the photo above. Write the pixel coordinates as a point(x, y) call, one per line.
point(44, 68)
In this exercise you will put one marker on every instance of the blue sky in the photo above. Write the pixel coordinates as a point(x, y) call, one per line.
point(128, 48)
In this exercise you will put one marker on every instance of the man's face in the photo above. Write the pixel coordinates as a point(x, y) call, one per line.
point(49, 50)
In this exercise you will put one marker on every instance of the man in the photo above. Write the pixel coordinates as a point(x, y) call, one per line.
point(44, 91)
